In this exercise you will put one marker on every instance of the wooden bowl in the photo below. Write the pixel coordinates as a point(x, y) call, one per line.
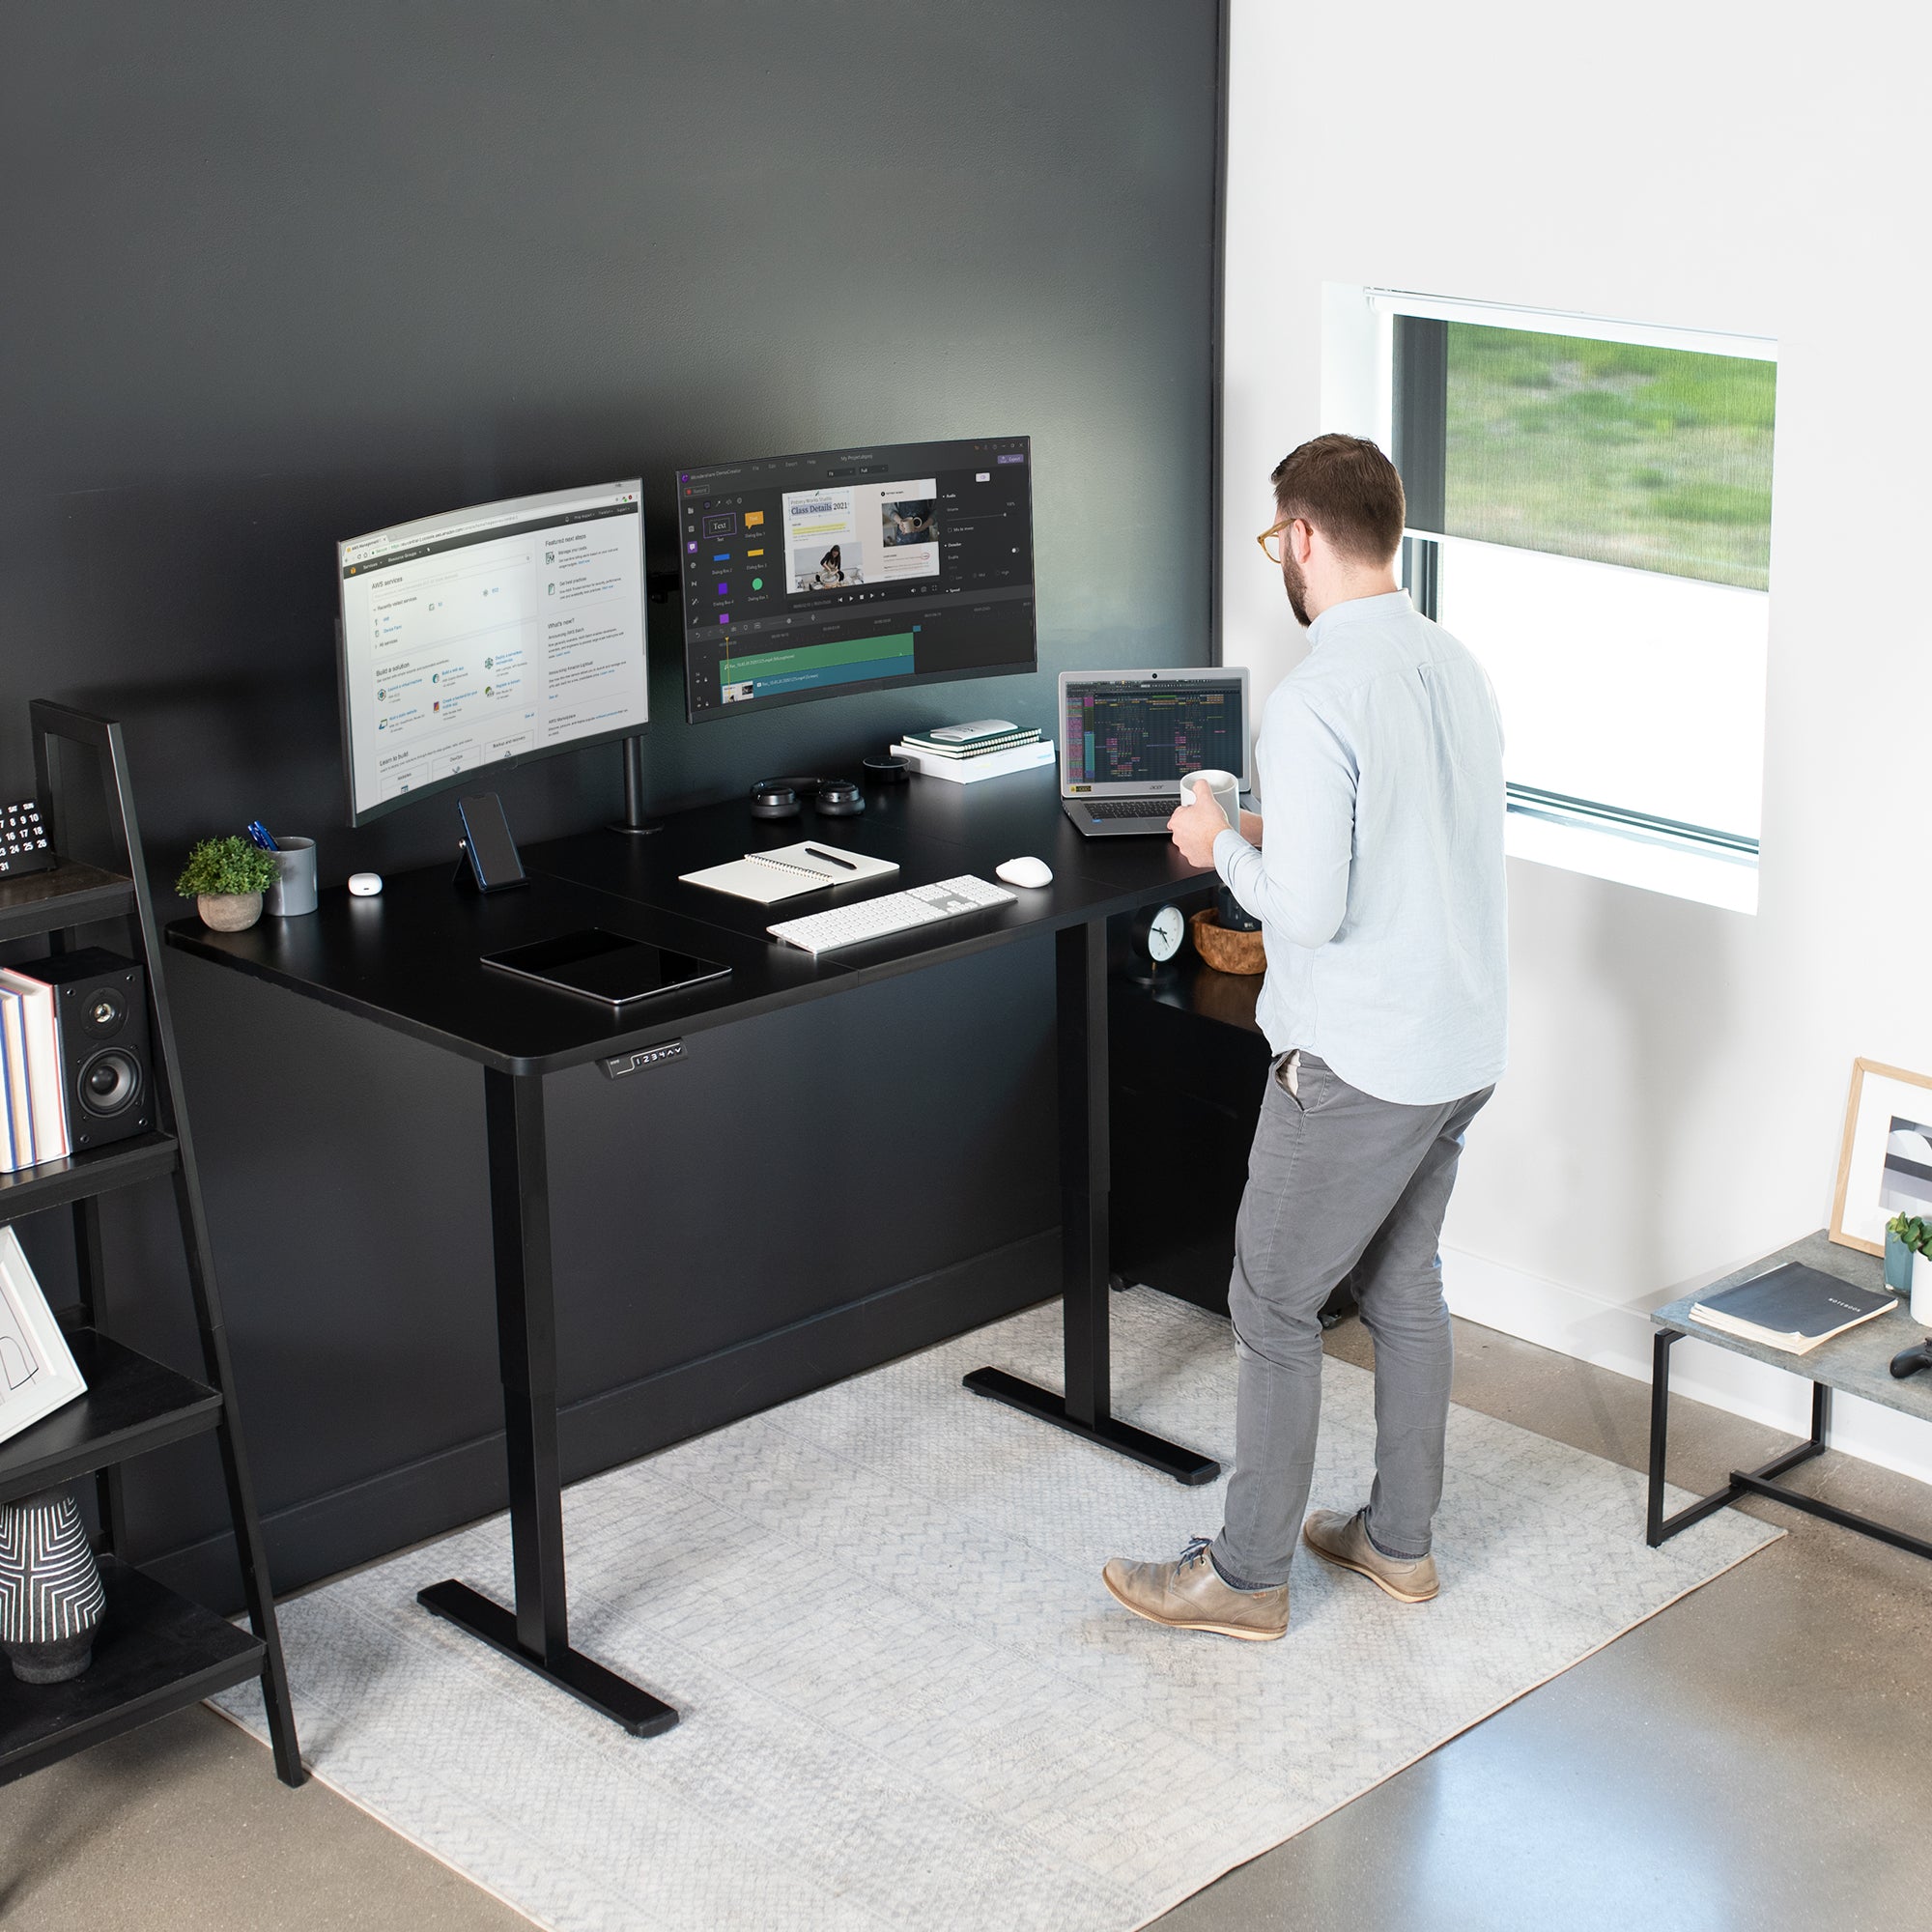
point(1224, 951)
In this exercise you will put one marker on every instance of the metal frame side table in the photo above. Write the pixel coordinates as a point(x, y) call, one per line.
point(1858, 1363)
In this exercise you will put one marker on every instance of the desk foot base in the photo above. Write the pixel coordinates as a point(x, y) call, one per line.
point(1184, 1465)
point(604, 1690)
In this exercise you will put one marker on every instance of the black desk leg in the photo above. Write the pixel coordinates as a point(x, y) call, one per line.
point(538, 1634)
point(1085, 1163)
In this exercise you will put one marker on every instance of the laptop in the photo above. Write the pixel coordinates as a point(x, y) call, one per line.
point(1126, 738)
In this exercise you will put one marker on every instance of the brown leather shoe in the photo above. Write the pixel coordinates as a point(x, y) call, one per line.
point(1344, 1541)
point(1190, 1594)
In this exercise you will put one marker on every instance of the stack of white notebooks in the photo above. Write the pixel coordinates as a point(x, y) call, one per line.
point(988, 748)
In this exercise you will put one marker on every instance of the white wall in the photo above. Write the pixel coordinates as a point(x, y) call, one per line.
point(1678, 1073)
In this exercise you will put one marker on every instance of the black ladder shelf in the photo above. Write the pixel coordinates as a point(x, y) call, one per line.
point(154, 1651)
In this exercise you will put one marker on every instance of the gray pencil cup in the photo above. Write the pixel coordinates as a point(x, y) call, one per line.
point(294, 890)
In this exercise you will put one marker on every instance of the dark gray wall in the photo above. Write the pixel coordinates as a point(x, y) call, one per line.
point(280, 275)
point(283, 275)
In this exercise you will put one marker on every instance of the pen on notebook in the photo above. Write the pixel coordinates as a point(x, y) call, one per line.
point(832, 858)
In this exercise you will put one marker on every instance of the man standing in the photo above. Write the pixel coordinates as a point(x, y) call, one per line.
point(1380, 888)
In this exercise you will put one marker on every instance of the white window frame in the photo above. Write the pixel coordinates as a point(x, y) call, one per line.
point(1359, 396)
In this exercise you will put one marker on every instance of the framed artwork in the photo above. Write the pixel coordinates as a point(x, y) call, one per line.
point(37, 1368)
point(1884, 1163)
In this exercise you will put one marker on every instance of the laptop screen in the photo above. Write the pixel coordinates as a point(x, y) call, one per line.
point(1153, 731)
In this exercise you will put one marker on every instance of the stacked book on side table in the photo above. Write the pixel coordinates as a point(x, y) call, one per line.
point(964, 753)
point(1793, 1308)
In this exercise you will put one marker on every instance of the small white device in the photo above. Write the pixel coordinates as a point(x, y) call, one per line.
point(895, 911)
point(1025, 872)
point(365, 885)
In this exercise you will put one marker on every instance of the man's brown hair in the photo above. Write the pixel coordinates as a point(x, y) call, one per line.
point(1349, 491)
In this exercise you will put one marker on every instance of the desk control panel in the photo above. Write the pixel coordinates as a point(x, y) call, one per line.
point(621, 1063)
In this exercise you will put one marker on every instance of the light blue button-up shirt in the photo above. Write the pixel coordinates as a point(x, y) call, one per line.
point(1380, 879)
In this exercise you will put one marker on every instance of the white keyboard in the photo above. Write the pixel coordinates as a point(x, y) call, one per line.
point(895, 911)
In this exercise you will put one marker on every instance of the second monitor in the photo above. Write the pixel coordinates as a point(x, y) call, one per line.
point(855, 570)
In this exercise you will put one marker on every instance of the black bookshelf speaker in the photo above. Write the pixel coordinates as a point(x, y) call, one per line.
point(101, 1009)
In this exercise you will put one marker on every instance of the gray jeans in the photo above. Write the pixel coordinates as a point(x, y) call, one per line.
point(1337, 1179)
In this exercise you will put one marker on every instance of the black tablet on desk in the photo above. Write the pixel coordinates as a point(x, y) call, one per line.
point(605, 966)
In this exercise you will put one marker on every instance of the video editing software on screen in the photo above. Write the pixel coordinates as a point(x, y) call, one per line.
point(806, 576)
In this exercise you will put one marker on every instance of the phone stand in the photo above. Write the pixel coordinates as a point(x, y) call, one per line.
point(469, 874)
point(487, 859)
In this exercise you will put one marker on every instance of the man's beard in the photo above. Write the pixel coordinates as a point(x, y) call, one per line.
point(1298, 591)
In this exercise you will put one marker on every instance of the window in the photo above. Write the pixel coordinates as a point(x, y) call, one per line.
point(1590, 512)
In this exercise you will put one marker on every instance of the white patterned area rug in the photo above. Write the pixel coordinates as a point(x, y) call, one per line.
point(906, 1697)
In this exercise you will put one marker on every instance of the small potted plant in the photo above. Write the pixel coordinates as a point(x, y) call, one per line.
point(1914, 1234)
point(226, 878)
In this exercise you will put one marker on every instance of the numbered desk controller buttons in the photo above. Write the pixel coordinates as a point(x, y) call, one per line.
point(24, 844)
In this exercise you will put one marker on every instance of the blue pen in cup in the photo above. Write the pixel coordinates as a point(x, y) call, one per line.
point(259, 833)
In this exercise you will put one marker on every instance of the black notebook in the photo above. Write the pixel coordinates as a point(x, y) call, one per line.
point(1793, 1307)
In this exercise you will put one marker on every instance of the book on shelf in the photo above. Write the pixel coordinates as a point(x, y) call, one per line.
point(1793, 1308)
point(46, 1089)
point(970, 771)
point(16, 1143)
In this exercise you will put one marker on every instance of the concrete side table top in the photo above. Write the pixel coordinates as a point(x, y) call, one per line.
point(1858, 1362)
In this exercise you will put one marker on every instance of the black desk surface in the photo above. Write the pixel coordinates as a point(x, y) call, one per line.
point(410, 959)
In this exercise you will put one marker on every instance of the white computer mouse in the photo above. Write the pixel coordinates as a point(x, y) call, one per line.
point(365, 885)
point(1025, 872)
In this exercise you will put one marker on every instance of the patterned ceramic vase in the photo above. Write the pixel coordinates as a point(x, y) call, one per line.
point(51, 1595)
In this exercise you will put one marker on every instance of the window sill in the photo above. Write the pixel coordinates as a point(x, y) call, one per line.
point(1683, 873)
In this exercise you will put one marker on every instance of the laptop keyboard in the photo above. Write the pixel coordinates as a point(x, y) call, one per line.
point(1160, 808)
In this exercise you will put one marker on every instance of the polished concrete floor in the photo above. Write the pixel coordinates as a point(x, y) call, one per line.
point(1754, 1759)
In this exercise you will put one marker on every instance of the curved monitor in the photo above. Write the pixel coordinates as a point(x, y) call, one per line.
point(855, 570)
point(487, 637)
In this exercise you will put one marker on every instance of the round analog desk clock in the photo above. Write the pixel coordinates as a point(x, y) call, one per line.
point(1158, 934)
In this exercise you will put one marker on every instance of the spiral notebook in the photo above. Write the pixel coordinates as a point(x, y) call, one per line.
point(790, 869)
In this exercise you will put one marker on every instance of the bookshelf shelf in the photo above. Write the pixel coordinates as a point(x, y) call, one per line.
point(153, 1653)
point(72, 893)
point(28, 1190)
point(134, 1404)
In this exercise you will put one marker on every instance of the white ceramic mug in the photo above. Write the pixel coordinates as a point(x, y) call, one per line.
point(1226, 788)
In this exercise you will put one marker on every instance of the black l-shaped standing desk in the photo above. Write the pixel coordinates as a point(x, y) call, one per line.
point(409, 960)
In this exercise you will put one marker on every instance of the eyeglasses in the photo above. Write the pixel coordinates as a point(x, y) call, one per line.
point(1271, 539)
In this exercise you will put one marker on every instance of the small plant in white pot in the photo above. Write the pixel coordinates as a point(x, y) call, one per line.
point(1915, 1234)
point(226, 878)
